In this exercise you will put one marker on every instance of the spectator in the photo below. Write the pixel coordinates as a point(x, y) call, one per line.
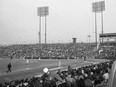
point(70, 70)
point(81, 81)
point(106, 75)
point(59, 72)
point(49, 78)
point(88, 82)
point(71, 82)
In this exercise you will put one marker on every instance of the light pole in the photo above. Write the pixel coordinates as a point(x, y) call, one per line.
point(89, 36)
point(98, 7)
point(40, 30)
point(42, 12)
point(95, 29)
point(45, 31)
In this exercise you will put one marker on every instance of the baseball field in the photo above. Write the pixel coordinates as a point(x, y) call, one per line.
point(23, 68)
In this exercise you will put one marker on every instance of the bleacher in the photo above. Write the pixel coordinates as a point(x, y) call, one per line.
point(107, 46)
point(31, 51)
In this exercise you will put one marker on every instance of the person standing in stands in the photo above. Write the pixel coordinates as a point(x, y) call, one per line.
point(49, 78)
point(9, 66)
point(70, 70)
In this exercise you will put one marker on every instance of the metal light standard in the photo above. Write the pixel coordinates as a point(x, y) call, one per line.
point(98, 7)
point(42, 12)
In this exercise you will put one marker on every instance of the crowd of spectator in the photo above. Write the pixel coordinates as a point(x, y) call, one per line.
point(107, 51)
point(47, 50)
point(95, 75)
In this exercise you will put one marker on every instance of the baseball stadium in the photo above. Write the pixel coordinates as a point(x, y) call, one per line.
point(57, 43)
point(28, 61)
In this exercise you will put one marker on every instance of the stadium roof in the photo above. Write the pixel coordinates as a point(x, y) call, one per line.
point(108, 35)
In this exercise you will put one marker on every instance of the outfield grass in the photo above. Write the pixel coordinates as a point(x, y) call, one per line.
point(21, 69)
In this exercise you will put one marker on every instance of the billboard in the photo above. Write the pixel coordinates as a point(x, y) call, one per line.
point(98, 6)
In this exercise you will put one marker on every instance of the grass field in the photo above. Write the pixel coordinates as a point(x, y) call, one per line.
point(21, 69)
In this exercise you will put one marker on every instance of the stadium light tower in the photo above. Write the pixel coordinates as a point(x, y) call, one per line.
point(97, 8)
point(42, 12)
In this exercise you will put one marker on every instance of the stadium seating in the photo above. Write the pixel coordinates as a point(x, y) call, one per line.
point(35, 51)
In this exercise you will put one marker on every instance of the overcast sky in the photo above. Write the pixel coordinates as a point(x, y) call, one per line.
point(19, 22)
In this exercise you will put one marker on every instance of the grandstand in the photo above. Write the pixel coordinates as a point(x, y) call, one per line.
point(107, 45)
point(107, 39)
point(53, 51)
